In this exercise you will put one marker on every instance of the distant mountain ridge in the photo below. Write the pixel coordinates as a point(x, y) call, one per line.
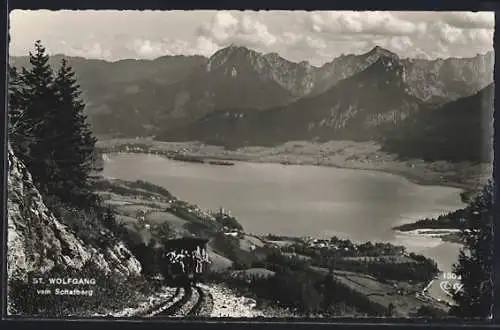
point(379, 103)
point(449, 79)
point(158, 97)
point(356, 108)
point(461, 130)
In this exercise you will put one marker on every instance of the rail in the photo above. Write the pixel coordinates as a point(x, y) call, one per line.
point(165, 304)
point(187, 302)
point(203, 306)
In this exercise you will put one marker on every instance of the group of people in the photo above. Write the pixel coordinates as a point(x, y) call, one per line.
point(189, 261)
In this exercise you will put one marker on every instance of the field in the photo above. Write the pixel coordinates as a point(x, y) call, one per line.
point(402, 296)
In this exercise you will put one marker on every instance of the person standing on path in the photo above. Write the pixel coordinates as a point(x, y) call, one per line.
point(198, 260)
point(181, 257)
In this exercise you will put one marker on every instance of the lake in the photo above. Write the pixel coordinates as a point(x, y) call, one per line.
point(300, 200)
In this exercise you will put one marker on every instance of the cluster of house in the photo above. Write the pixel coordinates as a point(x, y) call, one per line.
point(334, 244)
point(201, 214)
point(225, 229)
point(135, 149)
point(198, 212)
point(329, 244)
point(231, 232)
point(224, 213)
point(131, 148)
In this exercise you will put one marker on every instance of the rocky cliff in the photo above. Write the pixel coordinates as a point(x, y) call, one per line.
point(37, 241)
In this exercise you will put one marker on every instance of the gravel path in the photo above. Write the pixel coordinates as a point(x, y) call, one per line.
point(207, 305)
point(162, 295)
point(219, 301)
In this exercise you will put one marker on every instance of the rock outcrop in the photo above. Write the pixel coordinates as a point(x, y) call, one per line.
point(37, 241)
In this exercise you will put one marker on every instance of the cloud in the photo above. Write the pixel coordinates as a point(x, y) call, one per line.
point(470, 20)
point(92, 50)
point(426, 34)
point(241, 28)
point(317, 36)
point(205, 46)
point(353, 22)
point(145, 48)
point(470, 39)
point(297, 40)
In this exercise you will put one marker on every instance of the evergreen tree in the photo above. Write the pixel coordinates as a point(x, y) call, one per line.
point(17, 127)
point(49, 131)
point(74, 148)
point(474, 266)
point(37, 100)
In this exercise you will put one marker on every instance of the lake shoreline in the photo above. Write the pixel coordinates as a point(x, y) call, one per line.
point(410, 177)
point(407, 175)
point(417, 175)
point(336, 154)
point(451, 235)
point(207, 156)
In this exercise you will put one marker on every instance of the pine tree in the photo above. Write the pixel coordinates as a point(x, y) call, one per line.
point(74, 149)
point(17, 126)
point(50, 133)
point(474, 266)
point(37, 101)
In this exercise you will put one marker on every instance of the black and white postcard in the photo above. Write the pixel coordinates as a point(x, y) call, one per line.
point(250, 164)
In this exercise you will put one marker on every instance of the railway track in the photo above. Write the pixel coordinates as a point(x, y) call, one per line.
point(188, 308)
point(174, 308)
point(186, 302)
point(164, 305)
point(204, 305)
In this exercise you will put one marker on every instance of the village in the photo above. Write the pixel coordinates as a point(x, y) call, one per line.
point(223, 222)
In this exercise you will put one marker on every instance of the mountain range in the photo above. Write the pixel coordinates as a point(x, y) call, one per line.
point(355, 108)
point(459, 130)
point(242, 97)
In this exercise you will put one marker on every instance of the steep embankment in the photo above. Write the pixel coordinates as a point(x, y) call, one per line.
point(37, 242)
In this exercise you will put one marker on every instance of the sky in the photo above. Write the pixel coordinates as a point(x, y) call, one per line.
point(315, 36)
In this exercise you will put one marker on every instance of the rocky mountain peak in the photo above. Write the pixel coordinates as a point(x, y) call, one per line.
point(233, 55)
point(382, 56)
point(381, 52)
point(388, 62)
point(305, 64)
point(385, 70)
point(272, 56)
